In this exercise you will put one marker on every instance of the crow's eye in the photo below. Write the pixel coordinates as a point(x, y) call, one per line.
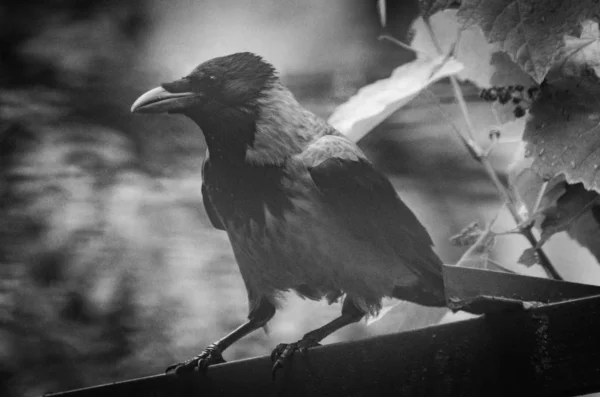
point(204, 81)
point(210, 79)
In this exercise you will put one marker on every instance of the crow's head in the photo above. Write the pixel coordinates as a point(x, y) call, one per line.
point(232, 81)
point(244, 111)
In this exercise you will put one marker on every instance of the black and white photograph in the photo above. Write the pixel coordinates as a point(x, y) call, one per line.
point(299, 198)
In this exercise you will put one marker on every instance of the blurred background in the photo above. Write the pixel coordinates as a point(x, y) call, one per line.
point(109, 268)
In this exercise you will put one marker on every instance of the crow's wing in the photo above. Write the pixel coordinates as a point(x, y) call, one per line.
point(214, 217)
point(210, 209)
point(367, 204)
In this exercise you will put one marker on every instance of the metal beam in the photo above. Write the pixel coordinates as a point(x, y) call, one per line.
point(552, 350)
point(484, 291)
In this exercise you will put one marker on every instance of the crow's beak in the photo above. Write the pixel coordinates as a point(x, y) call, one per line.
point(159, 100)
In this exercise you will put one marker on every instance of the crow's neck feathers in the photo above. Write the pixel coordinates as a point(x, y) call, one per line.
point(264, 132)
point(246, 168)
point(283, 128)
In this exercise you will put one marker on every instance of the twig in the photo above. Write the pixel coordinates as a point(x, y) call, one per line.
point(478, 154)
point(402, 44)
point(471, 146)
point(494, 138)
point(539, 198)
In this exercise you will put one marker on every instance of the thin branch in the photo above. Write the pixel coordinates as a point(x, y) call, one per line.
point(505, 141)
point(402, 44)
point(457, 91)
point(494, 138)
point(382, 9)
point(539, 198)
point(496, 115)
point(477, 153)
point(469, 144)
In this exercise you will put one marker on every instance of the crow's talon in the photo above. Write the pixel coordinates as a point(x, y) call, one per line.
point(284, 351)
point(211, 355)
point(276, 367)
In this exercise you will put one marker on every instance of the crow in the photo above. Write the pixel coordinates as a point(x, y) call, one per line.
point(303, 208)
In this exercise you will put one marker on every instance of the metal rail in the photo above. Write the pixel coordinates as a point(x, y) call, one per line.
point(547, 349)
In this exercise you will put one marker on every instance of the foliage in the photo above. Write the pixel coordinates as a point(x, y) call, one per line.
point(562, 134)
point(531, 32)
point(375, 102)
point(581, 53)
point(548, 50)
point(430, 7)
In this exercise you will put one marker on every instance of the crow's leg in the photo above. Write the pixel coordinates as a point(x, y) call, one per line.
point(257, 318)
point(350, 314)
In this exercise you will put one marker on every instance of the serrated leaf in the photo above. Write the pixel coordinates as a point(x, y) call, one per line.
point(582, 53)
point(529, 257)
point(483, 63)
point(562, 134)
point(376, 102)
point(430, 7)
point(531, 32)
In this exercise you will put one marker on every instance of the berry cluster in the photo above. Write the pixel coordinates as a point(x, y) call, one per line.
point(514, 94)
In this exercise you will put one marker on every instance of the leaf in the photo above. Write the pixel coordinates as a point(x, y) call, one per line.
point(573, 204)
point(376, 102)
point(563, 207)
point(529, 257)
point(430, 7)
point(477, 256)
point(526, 185)
point(483, 63)
point(586, 230)
point(468, 236)
point(506, 72)
point(509, 132)
point(581, 53)
point(531, 32)
point(562, 134)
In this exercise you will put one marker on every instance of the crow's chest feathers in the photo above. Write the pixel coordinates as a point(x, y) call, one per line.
point(241, 193)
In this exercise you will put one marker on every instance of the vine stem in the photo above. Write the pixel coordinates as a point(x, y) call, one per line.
point(478, 154)
point(401, 44)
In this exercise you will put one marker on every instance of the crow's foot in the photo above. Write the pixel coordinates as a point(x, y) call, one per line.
point(211, 355)
point(284, 351)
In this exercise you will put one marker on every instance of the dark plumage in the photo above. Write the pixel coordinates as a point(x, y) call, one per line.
point(302, 206)
point(241, 194)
